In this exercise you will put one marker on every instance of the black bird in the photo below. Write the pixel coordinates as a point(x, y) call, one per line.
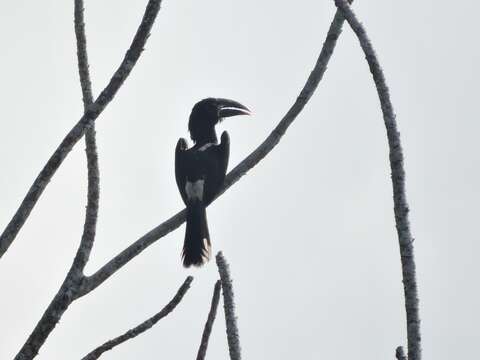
point(200, 171)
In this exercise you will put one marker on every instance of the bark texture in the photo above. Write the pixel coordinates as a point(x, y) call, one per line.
point(202, 350)
point(229, 307)
point(93, 195)
point(398, 183)
point(400, 354)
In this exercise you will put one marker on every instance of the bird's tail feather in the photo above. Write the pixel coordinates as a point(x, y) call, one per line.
point(196, 247)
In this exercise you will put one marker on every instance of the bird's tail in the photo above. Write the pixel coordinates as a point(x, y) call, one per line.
point(196, 247)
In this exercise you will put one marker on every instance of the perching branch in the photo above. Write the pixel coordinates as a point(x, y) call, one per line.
point(241, 169)
point(202, 351)
point(130, 334)
point(68, 291)
point(94, 110)
point(229, 307)
point(398, 182)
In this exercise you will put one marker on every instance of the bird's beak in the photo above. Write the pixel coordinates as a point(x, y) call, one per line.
point(227, 108)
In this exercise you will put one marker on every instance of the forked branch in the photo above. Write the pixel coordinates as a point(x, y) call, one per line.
point(94, 110)
point(68, 291)
point(398, 183)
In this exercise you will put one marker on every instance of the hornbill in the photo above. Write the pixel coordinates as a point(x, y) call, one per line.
point(200, 171)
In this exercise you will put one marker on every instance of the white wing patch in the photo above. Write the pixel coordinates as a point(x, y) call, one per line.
point(206, 146)
point(194, 189)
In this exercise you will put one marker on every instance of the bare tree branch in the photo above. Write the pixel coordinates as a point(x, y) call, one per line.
point(130, 334)
point(50, 317)
point(89, 228)
point(229, 308)
point(69, 288)
point(202, 351)
point(82, 55)
point(400, 354)
point(398, 182)
point(94, 110)
point(241, 169)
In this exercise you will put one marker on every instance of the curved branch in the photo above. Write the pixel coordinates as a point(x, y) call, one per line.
point(202, 351)
point(398, 182)
point(241, 169)
point(229, 306)
point(130, 334)
point(94, 110)
point(52, 315)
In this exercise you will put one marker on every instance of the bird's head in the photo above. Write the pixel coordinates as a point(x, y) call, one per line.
point(209, 112)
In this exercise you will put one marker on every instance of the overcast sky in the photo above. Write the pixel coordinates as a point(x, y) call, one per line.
point(309, 232)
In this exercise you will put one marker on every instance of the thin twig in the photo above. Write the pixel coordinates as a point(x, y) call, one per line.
point(68, 291)
point(94, 110)
point(202, 350)
point(241, 169)
point(400, 354)
point(130, 334)
point(229, 308)
point(398, 182)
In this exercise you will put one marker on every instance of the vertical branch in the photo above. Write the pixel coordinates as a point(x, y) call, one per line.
point(398, 183)
point(202, 351)
point(89, 228)
point(82, 54)
point(229, 307)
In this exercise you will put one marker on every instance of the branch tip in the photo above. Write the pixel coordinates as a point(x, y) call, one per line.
point(202, 351)
point(233, 336)
point(400, 354)
point(146, 325)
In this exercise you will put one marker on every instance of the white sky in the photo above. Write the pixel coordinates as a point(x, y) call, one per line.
point(309, 233)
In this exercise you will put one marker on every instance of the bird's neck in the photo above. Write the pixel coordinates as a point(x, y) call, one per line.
point(206, 137)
